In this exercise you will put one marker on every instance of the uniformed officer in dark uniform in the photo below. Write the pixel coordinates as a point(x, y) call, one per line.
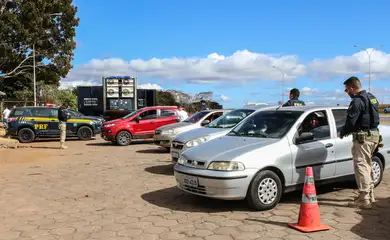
point(203, 105)
point(294, 101)
point(362, 122)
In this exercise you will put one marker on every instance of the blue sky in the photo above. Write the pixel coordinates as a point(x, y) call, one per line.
point(262, 33)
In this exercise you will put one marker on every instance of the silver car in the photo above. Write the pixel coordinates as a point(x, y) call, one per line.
point(267, 153)
point(164, 135)
point(217, 128)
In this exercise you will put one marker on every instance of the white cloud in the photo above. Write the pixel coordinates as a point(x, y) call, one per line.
point(224, 98)
point(344, 66)
point(149, 86)
point(240, 66)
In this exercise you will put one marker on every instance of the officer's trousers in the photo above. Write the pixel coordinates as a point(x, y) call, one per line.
point(362, 154)
point(62, 127)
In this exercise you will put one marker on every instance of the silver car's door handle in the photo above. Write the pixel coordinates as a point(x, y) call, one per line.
point(328, 145)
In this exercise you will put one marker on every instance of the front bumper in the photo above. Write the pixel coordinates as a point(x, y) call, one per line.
point(176, 150)
point(163, 140)
point(214, 184)
point(107, 135)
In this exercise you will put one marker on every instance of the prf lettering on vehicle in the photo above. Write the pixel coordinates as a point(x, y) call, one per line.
point(41, 126)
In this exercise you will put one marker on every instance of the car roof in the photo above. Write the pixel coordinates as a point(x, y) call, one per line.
point(32, 107)
point(303, 108)
point(163, 107)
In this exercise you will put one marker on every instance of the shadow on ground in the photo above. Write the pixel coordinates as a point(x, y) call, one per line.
point(161, 169)
point(174, 199)
point(375, 224)
point(110, 144)
point(154, 151)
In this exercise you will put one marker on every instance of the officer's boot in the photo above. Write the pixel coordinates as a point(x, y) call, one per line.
point(62, 146)
point(361, 201)
point(372, 197)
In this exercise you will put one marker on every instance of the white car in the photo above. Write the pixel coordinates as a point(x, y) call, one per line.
point(218, 128)
point(266, 155)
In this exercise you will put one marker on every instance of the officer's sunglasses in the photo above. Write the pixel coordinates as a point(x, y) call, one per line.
point(346, 89)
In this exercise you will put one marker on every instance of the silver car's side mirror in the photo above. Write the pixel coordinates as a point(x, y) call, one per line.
point(304, 137)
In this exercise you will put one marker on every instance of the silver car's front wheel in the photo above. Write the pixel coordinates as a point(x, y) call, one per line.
point(265, 190)
point(377, 170)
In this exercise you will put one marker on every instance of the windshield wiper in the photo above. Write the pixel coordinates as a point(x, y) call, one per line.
point(259, 134)
point(234, 133)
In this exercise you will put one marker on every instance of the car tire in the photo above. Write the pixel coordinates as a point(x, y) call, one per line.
point(85, 133)
point(377, 170)
point(123, 138)
point(385, 111)
point(26, 135)
point(269, 181)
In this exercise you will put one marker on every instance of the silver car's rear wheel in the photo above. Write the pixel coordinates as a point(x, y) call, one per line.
point(265, 190)
point(376, 170)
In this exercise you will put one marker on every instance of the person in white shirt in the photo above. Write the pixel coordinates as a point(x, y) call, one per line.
point(183, 115)
point(6, 113)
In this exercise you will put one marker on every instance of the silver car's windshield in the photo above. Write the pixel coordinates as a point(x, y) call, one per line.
point(266, 124)
point(231, 119)
point(196, 117)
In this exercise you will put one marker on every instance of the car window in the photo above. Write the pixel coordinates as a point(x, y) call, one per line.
point(340, 116)
point(214, 116)
point(167, 113)
point(54, 113)
point(266, 124)
point(316, 123)
point(230, 119)
point(23, 112)
point(149, 114)
point(197, 116)
point(41, 112)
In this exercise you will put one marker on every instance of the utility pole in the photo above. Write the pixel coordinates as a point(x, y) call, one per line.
point(283, 72)
point(369, 62)
point(34, 78)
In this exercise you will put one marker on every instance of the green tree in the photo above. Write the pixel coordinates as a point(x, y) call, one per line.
point(165, 99)
point(24, 95)
point(49, 25)
point(51, 94)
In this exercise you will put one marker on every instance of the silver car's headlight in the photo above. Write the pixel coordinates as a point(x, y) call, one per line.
point(168, 132)
point(181, 160)
point(196, 142)
point(226, 166)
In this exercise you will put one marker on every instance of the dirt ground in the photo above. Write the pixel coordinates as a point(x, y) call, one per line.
point(95, 190)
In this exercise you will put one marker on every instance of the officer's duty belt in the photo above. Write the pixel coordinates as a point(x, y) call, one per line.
point(372, 136)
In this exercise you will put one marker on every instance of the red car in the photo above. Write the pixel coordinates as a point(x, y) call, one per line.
point(139, 124)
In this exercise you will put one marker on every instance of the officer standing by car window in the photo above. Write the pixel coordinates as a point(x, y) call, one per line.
point(294, 99)
point(63, 118)
point(362, 122)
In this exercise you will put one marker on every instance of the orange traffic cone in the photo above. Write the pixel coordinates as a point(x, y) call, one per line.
point(309, 213)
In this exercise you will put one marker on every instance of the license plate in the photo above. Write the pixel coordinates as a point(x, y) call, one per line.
point(191, 181)
point(175, 154)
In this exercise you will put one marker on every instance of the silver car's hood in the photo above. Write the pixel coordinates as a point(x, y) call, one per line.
point(226, 148)
point(175, 125)
point(199, 132)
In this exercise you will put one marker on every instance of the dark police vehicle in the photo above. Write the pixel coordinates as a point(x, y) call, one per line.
point(29, 123)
